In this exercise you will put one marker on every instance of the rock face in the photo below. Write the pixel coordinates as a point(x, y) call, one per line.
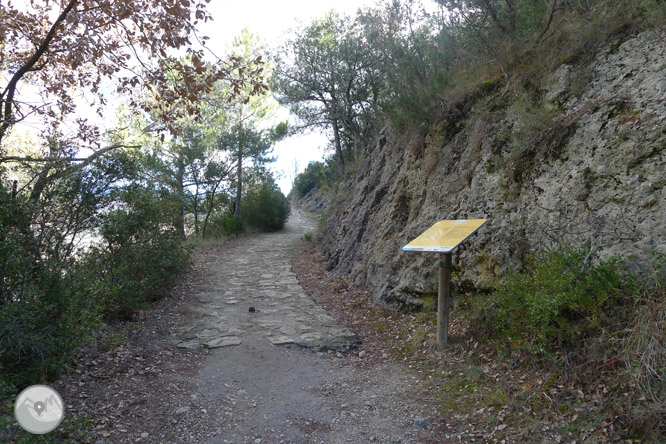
point(587, 167)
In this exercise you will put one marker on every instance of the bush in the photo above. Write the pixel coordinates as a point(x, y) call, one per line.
point(265, 207)
point(558, 300)
point(315, 176)
point(228, 224)
point(45, 313)
point(141, 258)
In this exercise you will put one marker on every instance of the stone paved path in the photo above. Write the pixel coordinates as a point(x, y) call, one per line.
point(254, 291)
point(266, 377)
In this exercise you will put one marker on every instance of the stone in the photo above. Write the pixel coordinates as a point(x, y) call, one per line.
point(191, 345)
point(223, 342)
point(288, 316)
point(207, 333)
point(422, 422)
point(183, 410)
point(602, 185)
point(281, 340)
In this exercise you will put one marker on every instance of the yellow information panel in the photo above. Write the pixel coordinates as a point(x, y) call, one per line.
point(445, 235)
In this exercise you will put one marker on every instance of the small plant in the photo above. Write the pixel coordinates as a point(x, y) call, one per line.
point(490, 84)
point(230, 224)
point(141, 257)
point(307, 237)
point(322, 221)
point(559, 299)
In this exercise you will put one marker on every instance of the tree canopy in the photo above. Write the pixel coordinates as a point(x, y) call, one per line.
point(53, 50)
point(329, 77)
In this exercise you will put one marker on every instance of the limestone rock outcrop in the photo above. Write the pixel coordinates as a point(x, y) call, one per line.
point(594, 175)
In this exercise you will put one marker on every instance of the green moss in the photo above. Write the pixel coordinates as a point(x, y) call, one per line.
point(490, 84)
point(569, 59)
point(615, 47)
point(468, 389)
point(429, 302)
point(550, 382)
point(380, 326)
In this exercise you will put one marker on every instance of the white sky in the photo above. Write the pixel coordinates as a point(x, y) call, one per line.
point(271, 21)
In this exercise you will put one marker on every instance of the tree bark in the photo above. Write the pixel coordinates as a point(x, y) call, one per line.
point(210, 210)
point(239, 182)
point(338, 145)
point(511, 6)
point(196, 211)
point(7, 96)
point(180, 190)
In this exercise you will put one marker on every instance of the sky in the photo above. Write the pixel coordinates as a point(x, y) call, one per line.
point(271, 20)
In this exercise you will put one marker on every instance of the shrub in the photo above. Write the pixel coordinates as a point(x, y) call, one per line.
point(45, 314)
point(558, 299)
point(228, 224)
point(265, 207)
point(141, 257)
point(315, 176)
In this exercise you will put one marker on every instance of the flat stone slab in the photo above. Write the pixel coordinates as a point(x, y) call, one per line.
point(281, 340)
point(222, 342)
point(191, 345)
point(256, 292)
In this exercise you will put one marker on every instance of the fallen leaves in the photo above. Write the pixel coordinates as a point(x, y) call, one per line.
point(485, 397)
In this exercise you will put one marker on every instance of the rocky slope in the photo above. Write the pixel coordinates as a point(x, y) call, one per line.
point(588, 167)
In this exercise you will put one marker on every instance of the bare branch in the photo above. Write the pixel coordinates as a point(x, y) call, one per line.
point(7, 95)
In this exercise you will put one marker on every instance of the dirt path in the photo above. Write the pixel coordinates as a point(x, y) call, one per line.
point(202, 367)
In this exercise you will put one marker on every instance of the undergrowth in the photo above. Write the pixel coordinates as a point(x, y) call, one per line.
point(561, 297)
point(595, 326)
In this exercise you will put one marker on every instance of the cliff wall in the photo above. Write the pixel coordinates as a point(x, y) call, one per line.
point(587, 167)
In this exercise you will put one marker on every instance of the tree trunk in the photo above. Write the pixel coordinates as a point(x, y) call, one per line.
point(239, 183)
point(511, 6)
point(33, 201)
point(210, 210)
point(196, 211)
point(180, 190)
point(338, 145)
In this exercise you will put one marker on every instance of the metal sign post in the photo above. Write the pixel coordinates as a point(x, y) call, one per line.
point(442, 238)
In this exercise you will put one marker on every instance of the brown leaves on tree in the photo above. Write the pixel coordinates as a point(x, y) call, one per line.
point(131, 42)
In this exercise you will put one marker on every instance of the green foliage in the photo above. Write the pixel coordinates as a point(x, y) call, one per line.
point(654, 11)
point(265, 207)
point(315, 176)
point(72, 429)
point(45, 313)
point(331, 55)
point(559, 299)
point(141, 258)
point(228, 224)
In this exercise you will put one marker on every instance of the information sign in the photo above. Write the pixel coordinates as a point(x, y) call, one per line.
point(444, 236)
